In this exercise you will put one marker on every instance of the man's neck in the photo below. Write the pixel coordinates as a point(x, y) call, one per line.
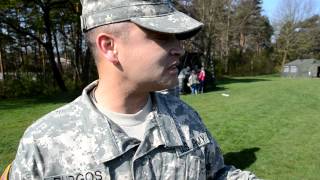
point(119, 99)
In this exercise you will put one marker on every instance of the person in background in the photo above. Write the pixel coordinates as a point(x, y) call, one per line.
point(183, 75)
point(201, 77)
point(193, 82)
point(120, 127)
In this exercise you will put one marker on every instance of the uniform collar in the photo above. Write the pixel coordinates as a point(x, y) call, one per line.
point(161, 130)
point(111, 141)
point(167, 125)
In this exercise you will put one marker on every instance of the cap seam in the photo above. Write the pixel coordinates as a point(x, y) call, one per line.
point(157, 15)
point(118, 7)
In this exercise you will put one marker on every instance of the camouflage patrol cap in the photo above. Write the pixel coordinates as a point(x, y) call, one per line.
point(154, 15)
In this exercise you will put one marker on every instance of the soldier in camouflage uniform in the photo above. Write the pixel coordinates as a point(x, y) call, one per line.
point(80, 142)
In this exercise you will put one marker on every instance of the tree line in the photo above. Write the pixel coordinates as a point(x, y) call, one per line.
point(239, 40)
point(42, 48)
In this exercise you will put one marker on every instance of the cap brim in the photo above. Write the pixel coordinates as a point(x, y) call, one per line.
point(178, 23)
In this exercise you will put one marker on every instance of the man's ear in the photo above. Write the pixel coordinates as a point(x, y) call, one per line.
point(106, 46)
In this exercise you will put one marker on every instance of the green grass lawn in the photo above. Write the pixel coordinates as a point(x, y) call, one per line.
point(267, 125)
point(15, 116)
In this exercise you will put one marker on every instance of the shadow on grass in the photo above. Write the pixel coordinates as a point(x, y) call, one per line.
point(242, 159)
point(228, 80)
point(15, 103)
point(218, 85)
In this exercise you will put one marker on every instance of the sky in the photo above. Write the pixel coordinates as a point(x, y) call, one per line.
point(269, 6)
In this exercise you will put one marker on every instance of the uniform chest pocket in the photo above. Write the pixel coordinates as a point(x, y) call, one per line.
point(194, 163)
point(190, 166)
point(193, 168)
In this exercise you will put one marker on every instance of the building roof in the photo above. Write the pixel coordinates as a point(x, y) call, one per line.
point(304, 62)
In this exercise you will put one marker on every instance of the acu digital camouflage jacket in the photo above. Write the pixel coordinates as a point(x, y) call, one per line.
point(77, 142)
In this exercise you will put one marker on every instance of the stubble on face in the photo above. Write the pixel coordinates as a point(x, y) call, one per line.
point(147, 60)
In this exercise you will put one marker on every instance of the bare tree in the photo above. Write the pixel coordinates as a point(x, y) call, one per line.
point(286, 20)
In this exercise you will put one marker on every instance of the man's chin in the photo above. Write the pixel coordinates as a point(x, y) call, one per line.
point(170, 86)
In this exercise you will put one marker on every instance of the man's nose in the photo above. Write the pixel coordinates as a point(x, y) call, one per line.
point(177, 49)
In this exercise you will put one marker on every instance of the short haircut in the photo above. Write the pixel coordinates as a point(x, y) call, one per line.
point(120, 30)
